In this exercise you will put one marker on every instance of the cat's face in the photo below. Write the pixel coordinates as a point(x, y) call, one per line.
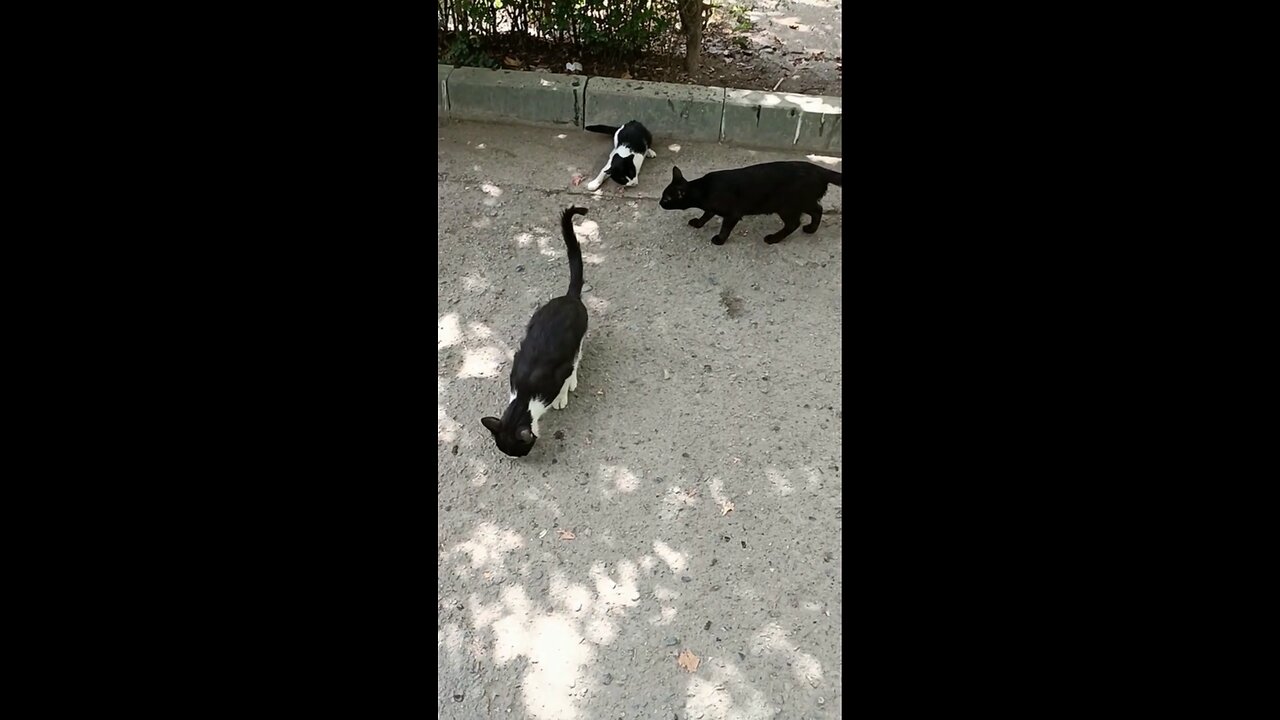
point(676, 195)
point(621, 169)
point(512, 440)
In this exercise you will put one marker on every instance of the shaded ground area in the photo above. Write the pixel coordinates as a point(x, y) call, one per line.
point(688, 499)
point(750, 44)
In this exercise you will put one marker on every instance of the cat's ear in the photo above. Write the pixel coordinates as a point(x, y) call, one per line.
point(675, 174)
point(526, 435)
point(493, 423)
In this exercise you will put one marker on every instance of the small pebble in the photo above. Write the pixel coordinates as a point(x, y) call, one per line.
point(559, 434)
point(685, 578)
point(672, 641)
point(608, 679)
point(666, 374)
point(519, 268)
point(458, 697)
point(587, 287)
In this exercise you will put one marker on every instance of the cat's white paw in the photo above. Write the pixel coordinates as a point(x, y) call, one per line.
point(650, 153)
point(561, 402)
point(634, 182)
point(573, 382)
point(593, 185)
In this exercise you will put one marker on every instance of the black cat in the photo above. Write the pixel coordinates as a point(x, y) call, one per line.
point(787, 188)
point(546, 365)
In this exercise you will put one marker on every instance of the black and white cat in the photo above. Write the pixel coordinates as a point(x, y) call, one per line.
point(631, 145)
point(546, 365)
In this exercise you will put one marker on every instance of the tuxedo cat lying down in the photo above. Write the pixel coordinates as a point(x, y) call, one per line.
point(788, 188)
point(546, 365)
point(631, 145)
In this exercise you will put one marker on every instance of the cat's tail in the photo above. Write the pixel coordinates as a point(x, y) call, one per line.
point(606, 129)
point(575, 252)
point(832, 177)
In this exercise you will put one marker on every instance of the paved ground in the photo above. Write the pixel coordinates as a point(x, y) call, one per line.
point(710, 380)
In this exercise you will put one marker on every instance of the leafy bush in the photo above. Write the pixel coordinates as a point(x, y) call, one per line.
point(616, 29)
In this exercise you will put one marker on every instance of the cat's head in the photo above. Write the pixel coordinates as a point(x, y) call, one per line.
point(622, 169)
point(515, 440)
point(676, 195)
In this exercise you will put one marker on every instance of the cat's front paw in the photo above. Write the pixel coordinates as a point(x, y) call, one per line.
point(593, 185)
point(717, 240)
point(697, 222)
point(772, 239)
point(650, 153)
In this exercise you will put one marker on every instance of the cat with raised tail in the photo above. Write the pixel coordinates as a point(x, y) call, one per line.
point(545, 370)
point(789, 188)
point(631, 145)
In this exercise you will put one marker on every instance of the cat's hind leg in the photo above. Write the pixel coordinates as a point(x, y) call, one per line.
point(791, 221)
point(573, 377)
point(650, 153)
point(815, 213)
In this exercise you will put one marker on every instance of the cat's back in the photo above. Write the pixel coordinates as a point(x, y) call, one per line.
point(767, 187)
point(563, 319)
point(772, 173)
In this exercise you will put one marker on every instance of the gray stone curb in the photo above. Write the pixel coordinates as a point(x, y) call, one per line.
point(753, 118)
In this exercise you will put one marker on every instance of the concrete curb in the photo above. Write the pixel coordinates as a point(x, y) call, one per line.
point(753, 118)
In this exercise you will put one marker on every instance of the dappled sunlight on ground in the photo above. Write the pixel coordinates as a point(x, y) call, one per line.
point(448, 331)
point(773, 639)
point(824, 159)
point(486, 550)
point(813, 104)
point(722, 692)
point(676, 499)
point(674, 559)
point(784, 482)
point(561, 634)
point(484, 362)
point(446, 427)
point(475, 282)
point(618, 478)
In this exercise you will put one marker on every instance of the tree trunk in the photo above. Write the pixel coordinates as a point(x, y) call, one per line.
point(691, 19)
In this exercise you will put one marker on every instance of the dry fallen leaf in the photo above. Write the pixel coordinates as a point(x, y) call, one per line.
point(566, 535)
point(626, 75)
point(511, 62)
point(578, 178)
point(726, 508)
point(687, 661)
